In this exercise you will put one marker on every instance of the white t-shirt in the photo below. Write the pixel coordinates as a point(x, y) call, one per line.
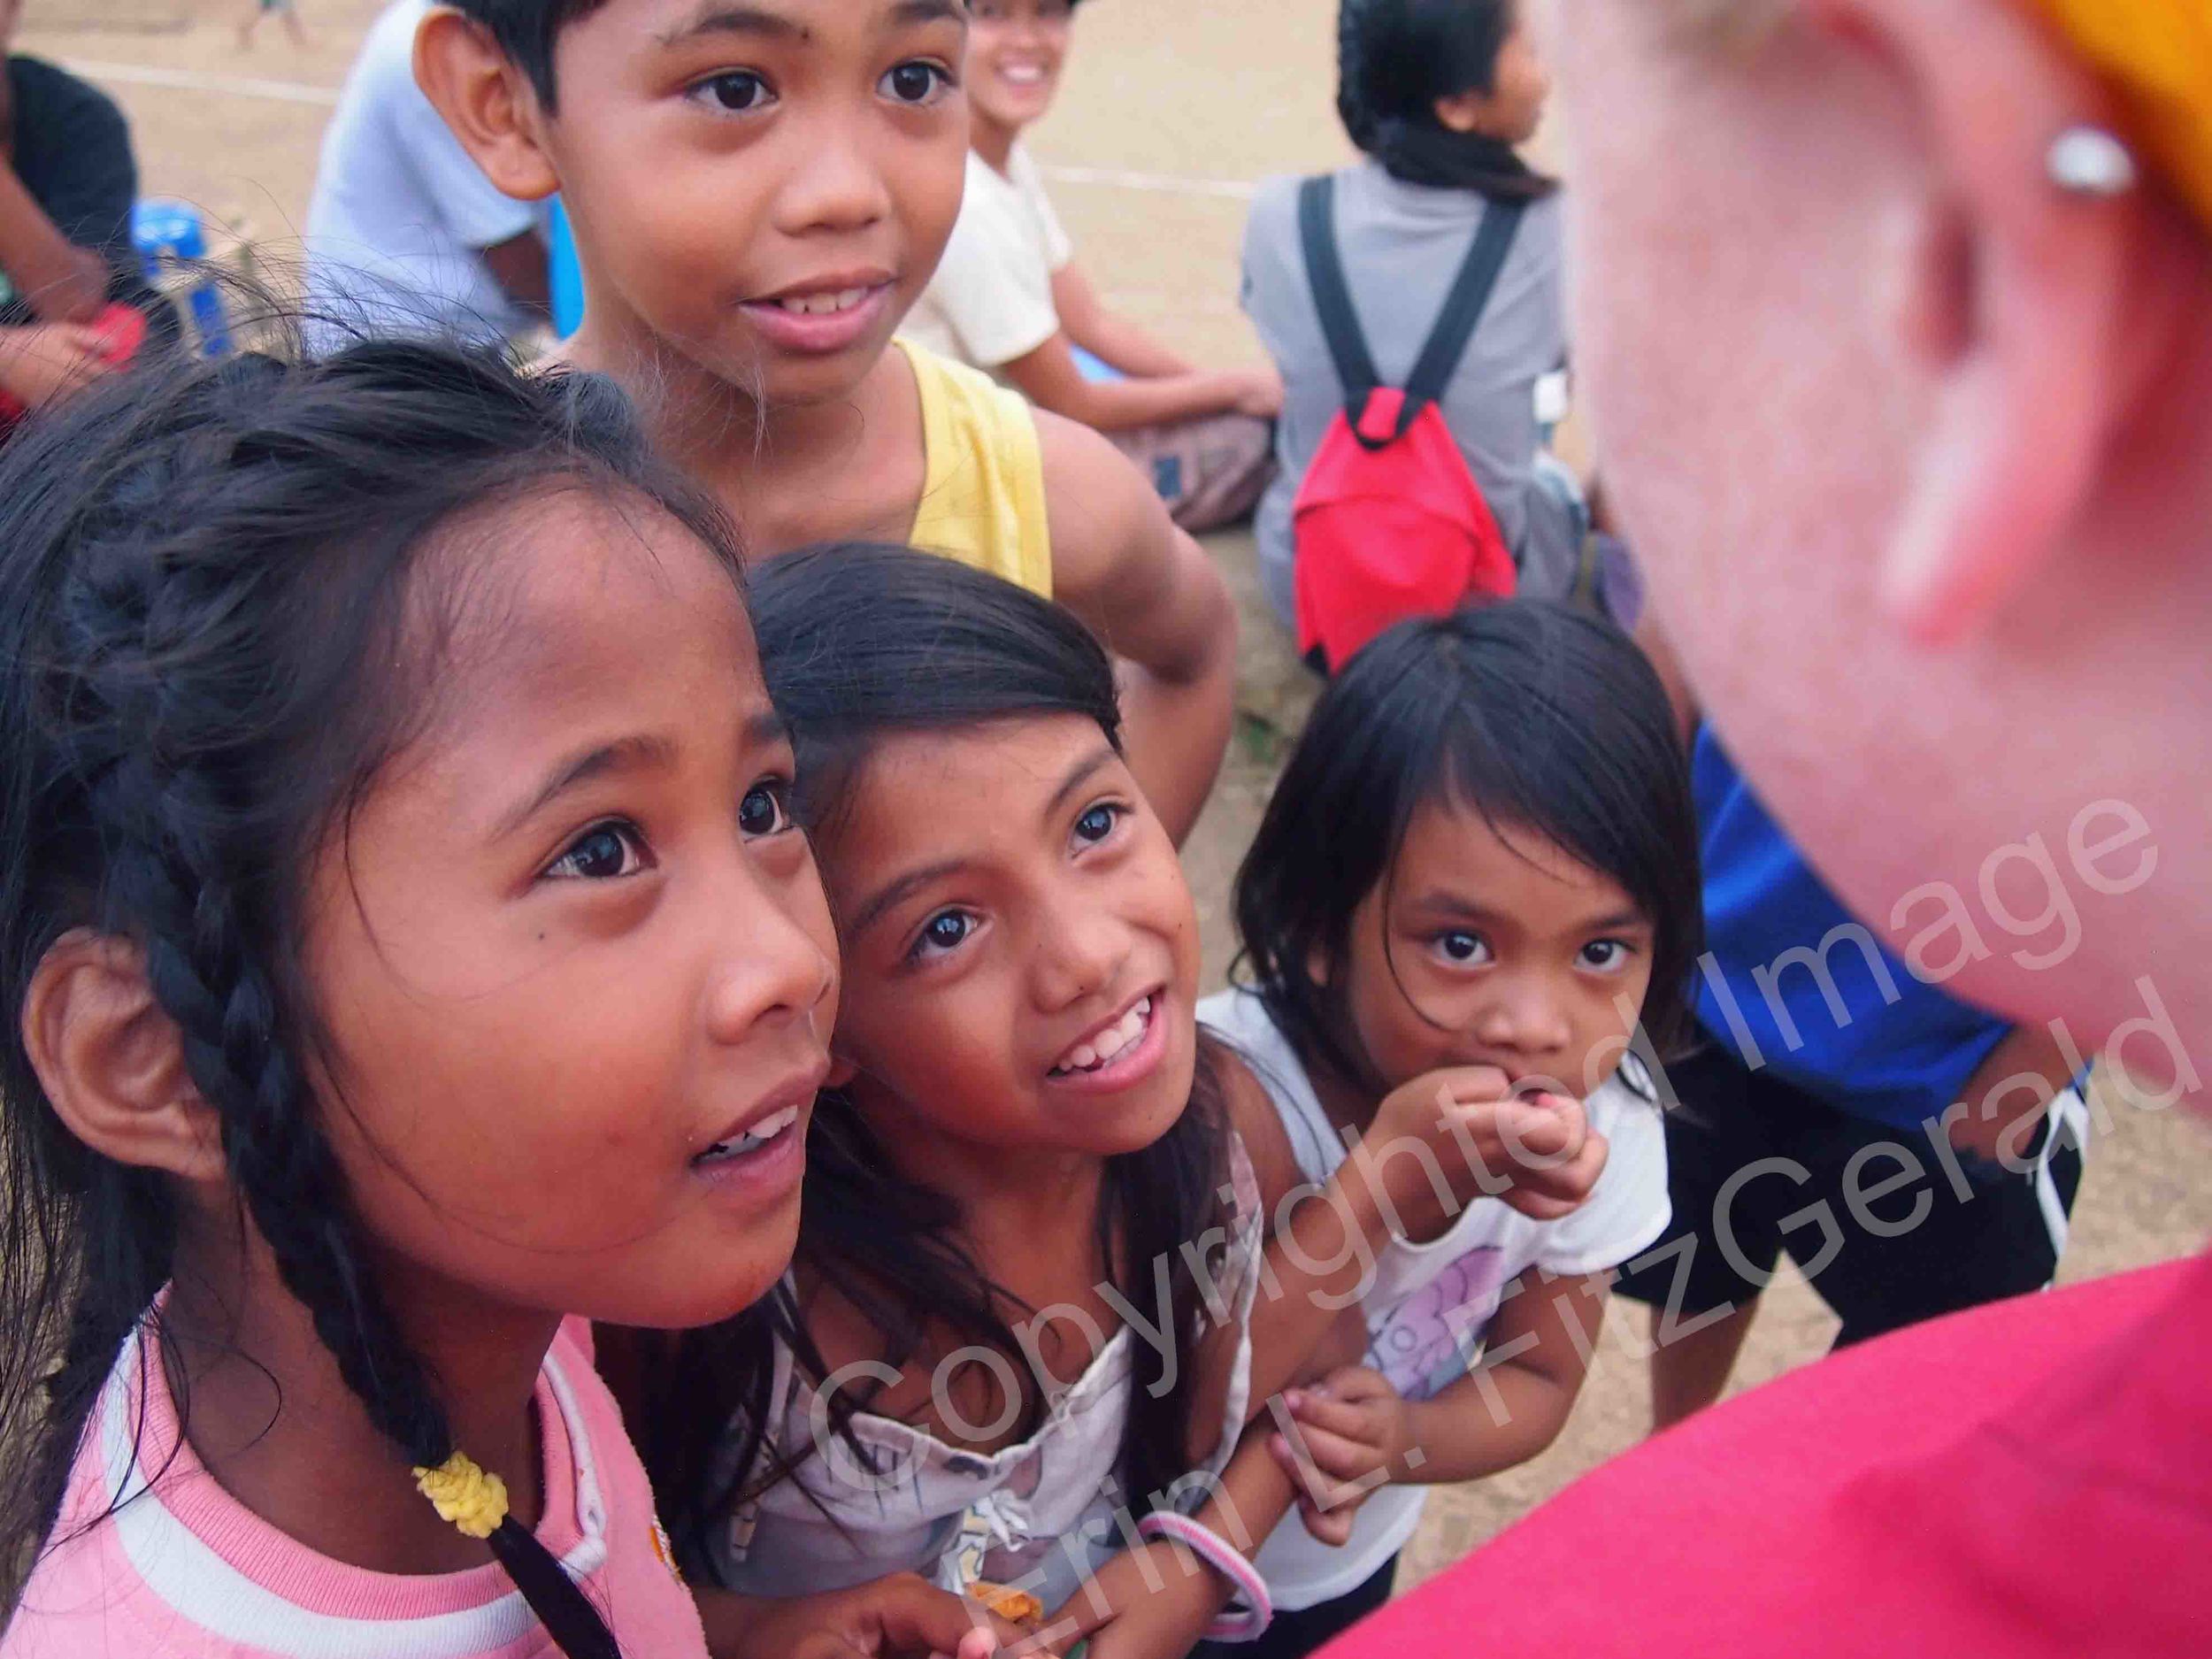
point(401, 214)
point(1430, 1304)
point(991, 300)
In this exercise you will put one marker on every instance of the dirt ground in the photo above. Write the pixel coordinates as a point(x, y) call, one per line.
point(1171, 110)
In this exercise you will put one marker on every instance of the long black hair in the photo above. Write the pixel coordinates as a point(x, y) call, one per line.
point(1395, 58)
point(859, 642)
point(1541, 717)
point(204, 663)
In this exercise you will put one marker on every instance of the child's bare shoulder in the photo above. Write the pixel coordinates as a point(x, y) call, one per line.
point(1252, 1115)
point(1105, 514)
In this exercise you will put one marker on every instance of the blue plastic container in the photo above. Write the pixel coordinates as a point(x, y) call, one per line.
point(564, 273)
point(167, 233)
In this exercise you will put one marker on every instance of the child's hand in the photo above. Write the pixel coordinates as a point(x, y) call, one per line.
point(1261, 393)
point(1354, 1434)
point(1537, 1152)
point(1151, 1602)
point(903, 1616)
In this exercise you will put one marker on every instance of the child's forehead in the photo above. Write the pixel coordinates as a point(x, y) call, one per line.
point(1454, 847)
point(555, 592)
point(796, 22)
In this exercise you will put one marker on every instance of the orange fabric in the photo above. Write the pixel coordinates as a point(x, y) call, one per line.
point(2157, 54)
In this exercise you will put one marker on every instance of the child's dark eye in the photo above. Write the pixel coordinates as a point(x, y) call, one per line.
point(738, 91)
point(1466, 949)
point(764, 810)
point(947, 930)
point(1605, 955)
point(600, 854)
point(1097, 824)
point(916, 83)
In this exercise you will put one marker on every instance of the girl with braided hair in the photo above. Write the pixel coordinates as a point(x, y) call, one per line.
point(406, 949)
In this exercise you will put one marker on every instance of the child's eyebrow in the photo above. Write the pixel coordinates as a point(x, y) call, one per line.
point(912, 881)
point(734, 16)
point(625, 754)
point(1079, 774)
point(719, 18)
point(1441, 902)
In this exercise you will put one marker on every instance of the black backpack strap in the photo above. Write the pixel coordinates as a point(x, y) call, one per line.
point(1324, 274)
point(1463, 306)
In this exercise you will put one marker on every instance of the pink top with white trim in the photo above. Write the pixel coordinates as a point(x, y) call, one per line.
point(184, 1570)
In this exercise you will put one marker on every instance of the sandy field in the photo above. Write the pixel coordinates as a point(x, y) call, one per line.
point(1171, 111)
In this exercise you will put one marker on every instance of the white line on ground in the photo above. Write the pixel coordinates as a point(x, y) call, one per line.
point(188, 80)
point(325, 97)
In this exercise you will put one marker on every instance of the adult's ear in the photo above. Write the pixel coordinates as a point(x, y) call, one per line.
point(112, 1061)
point(488, 102)
point(2033, 310)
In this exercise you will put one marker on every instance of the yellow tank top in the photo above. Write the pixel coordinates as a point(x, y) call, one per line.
point(983, 489)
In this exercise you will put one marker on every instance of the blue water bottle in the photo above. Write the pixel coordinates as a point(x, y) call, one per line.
point(565, 273)
point(168, 236)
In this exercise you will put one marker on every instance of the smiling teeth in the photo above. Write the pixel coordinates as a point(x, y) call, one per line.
point(1103, 1047)
point(823, 304)
point(761, 1133)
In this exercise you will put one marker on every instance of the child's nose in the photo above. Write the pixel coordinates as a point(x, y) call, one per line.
point(1079, 953)
point(774, 971)
point(838, 185)
point(1526, 1018)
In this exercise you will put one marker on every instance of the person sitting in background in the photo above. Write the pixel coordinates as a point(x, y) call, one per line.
point(1010, 297)
point(1437, 93)
point(68, 183)
point(405, 234)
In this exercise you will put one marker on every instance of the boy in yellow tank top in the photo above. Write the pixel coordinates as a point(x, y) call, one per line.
point(758, 193)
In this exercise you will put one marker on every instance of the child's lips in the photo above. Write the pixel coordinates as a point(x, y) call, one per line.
point(1121, 1055)
point(819, 321)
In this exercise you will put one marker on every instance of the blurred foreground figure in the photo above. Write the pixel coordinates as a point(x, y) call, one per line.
point(1919, 458)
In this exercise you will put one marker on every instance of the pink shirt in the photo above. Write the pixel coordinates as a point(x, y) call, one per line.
point(2030, 1480)
point(185, 1571)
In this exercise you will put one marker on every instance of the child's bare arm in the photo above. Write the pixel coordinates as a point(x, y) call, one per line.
point(62, 282)
point(1357, 1432)
point(1462, 1129)
point(901, 1614)
point(1050, 379)
point(1156, 1602)
point(1119, 562)
point(1106, 333)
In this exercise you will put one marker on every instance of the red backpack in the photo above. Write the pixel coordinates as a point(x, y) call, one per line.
point(1388, 522)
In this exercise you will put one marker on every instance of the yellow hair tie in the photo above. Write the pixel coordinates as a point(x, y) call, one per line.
point(465, 1495)
point(2157, 54)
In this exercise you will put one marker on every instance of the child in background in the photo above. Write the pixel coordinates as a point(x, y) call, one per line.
point(405, 236)
point(405, 948)
point(759, 194)
point(1510, 880)
point(1008, 297)
point(259, 11)
point(1437, 93)
point(1028, 1120)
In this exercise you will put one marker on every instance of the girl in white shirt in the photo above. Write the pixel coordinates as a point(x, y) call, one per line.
point(1482, 854)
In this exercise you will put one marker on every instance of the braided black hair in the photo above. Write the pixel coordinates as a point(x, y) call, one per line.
point(202, 665)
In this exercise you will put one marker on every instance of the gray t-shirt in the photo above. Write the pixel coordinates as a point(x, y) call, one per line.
point(1401, 244)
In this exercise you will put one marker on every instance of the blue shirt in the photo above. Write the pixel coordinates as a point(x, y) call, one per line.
point(1791, 980)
